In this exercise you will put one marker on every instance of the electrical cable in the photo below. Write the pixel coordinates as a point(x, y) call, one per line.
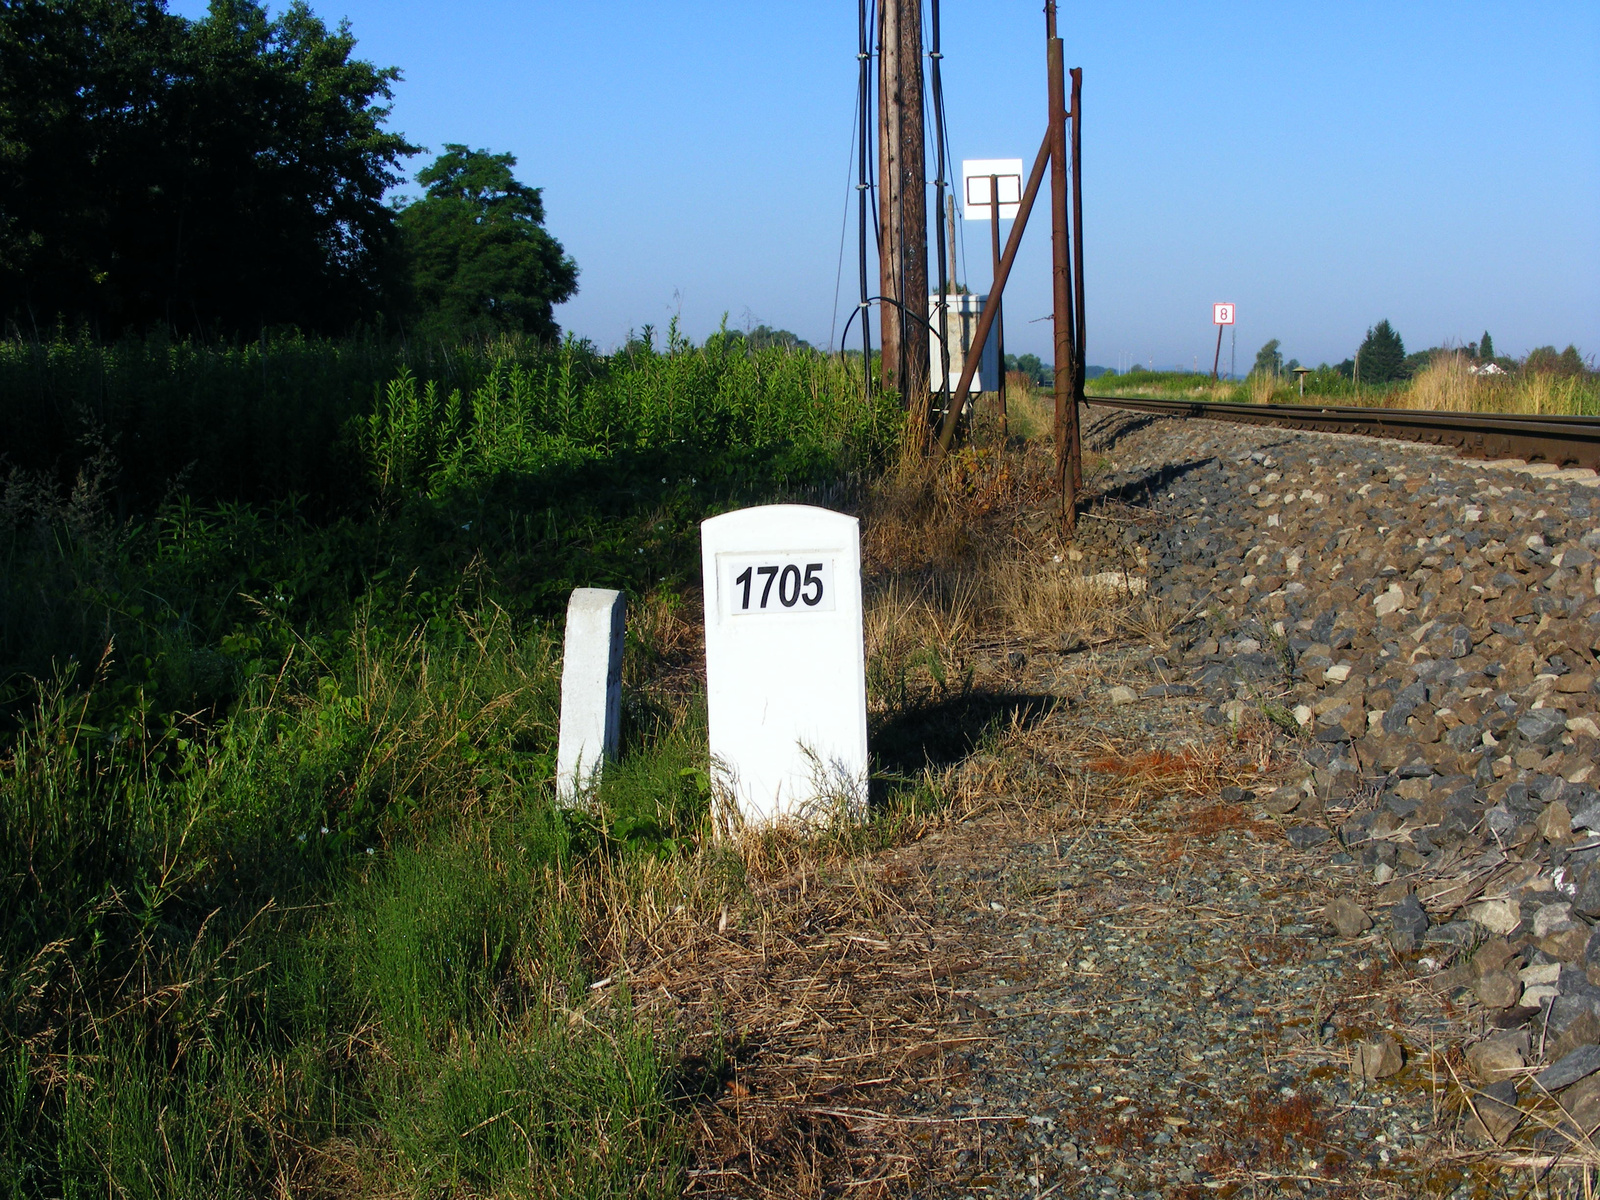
point(863, 186)
point(872, 159)
point(844, 222)
point(936, 84)
point(883, 300)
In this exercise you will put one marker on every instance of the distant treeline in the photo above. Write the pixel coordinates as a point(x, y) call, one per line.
point(1381, 358)
point(227, 175)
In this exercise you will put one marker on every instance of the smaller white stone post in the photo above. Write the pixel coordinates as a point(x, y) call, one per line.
point(591, 689)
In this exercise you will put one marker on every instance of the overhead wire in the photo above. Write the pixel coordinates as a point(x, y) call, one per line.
point(864, 192)
point(936, 87)
point(844, 219)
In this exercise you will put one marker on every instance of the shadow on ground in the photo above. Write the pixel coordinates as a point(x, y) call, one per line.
point(1146, 487)
point(1105, 432)
point(939, 733)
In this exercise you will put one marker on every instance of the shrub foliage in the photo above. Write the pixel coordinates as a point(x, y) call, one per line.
point(287, 903)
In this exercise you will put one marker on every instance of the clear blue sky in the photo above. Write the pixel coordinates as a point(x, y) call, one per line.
point(1322, 166)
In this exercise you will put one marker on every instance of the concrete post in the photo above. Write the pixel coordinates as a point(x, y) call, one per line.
point(591, 690)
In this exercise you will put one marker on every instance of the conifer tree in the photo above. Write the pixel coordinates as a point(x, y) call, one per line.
point(1382, 355)
point(1485, 347)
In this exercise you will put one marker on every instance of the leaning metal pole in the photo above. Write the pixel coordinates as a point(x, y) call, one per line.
point(947, 428)
point(1061, 278)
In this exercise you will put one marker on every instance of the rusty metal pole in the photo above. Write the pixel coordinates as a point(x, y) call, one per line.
point(1080, 317)
point(969, 367)
point(1061, 278)
point(1216, 361)
point(1000, 308)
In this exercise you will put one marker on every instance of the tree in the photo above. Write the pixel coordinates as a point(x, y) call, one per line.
point(763, 337)
point(1269, 361)
point(1382, 355)
point(1485, 348)
point(1037, 371)
point(1545, 361)
point(480, 259)
point(217, 175)
point(1415, 363)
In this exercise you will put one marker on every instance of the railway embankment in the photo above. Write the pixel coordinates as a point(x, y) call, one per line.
point(1425, 627)
point(1284, 881)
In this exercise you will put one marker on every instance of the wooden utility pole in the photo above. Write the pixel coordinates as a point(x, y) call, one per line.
point(902, 204)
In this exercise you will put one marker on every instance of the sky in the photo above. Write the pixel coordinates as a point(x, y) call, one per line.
point(1321, 166)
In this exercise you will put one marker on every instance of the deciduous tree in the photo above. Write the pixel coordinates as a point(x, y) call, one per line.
point(1269, 359)
point(218, 175)
point(481, 261)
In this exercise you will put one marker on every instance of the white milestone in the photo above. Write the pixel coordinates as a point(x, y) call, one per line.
point(785, 666)
point(591, 690)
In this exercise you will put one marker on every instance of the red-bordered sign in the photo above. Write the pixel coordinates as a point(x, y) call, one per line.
point(1222, 314)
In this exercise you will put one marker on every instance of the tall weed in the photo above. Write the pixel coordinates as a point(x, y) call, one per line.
point(288, 905)
point(342, 920)
point(1447, 384)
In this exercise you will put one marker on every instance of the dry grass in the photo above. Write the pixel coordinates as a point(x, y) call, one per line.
point(972, 547)
point(1193, 770)
point(1261, 388)
point(819, 984)
point(812, 994)
point(813, 976)
point(1448, 385)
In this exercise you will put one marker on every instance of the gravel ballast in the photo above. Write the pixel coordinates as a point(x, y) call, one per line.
point(1293, 892)
point(1425, 628)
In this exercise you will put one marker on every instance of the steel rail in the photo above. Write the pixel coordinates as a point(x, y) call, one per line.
point(1560, 441)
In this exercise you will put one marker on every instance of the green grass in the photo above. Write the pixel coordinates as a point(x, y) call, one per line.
point(1444, 385)
point(1324, 385)
point(287, 903)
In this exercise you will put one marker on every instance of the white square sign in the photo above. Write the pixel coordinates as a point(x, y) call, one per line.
point(980, 175)
point(1222, 314)
point(785, 664)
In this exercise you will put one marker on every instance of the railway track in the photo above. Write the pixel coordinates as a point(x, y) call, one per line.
point(1559, 441)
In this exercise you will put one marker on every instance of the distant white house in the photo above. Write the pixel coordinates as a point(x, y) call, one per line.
point(1487, 368)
